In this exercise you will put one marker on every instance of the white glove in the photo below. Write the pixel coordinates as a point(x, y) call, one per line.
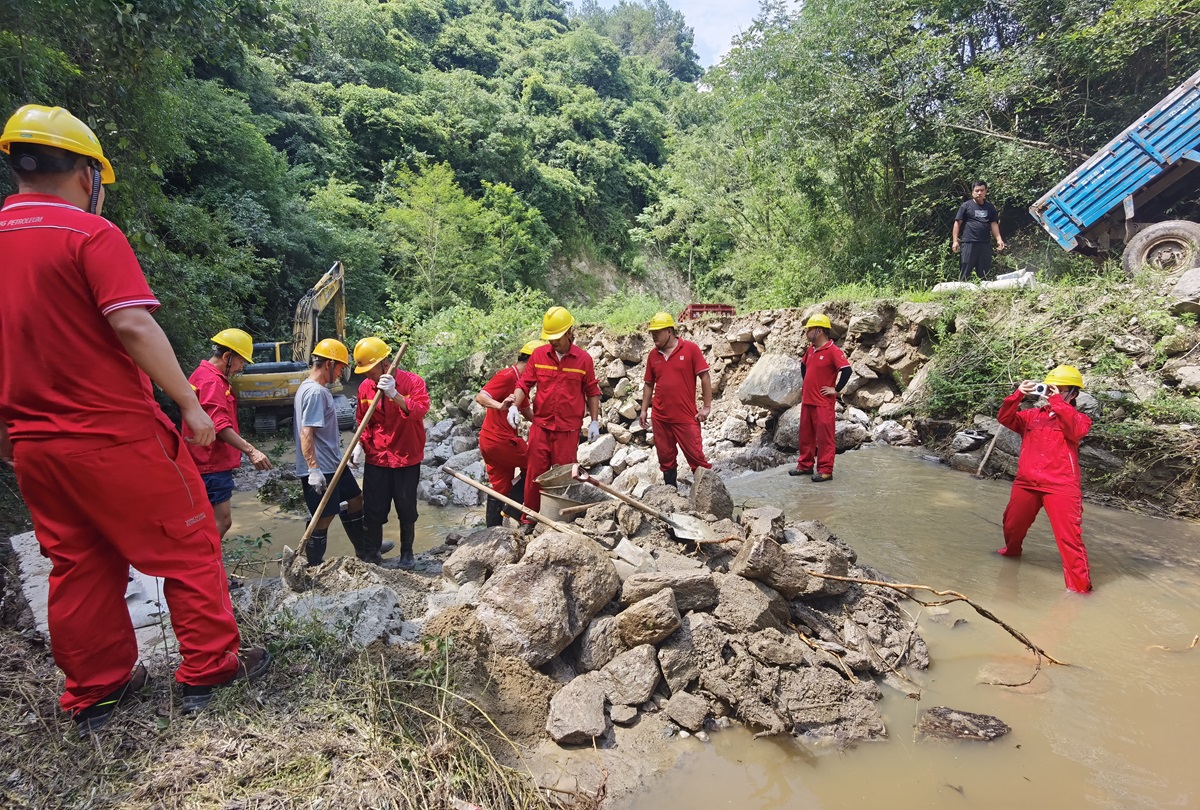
point(593, 431)
point(316, 480)
point(358, 456)
point(514, 416)
point(387, 384)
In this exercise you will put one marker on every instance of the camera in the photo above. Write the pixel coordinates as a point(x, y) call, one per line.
point(1040, 389)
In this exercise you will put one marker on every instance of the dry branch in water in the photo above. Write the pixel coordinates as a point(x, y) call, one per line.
point(1195, 641)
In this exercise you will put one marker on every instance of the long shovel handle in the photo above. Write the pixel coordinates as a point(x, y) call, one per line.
point(332, 485)
point(986, 455)
point(545, 521)
point(621, 496)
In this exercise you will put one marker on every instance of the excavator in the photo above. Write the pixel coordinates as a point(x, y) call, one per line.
point(269, 384)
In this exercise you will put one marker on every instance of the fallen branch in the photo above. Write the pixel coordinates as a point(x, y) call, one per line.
point(955, 596)
point(1195, 641)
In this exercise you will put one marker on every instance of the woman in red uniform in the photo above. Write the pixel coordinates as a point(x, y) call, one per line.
point(503, 449)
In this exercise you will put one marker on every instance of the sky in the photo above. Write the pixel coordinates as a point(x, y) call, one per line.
point(716, 23)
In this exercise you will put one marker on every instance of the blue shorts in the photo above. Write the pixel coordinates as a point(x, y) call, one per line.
point(219, 486)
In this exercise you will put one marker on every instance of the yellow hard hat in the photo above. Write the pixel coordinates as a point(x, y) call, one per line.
point(661, 320)
point(1064, 376)
point(54, 126)
point(332, 349)
point(531, 345)
point(368, 352)
point(818, 320)
point(238, 341)
point(556, 322)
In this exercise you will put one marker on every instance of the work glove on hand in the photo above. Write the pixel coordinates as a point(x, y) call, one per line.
point(387, 384)
point(316, 480)
point(358, 456)
point(593, 431)
point(514, 416)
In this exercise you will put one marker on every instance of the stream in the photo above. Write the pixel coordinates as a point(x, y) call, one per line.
point(1116, 729)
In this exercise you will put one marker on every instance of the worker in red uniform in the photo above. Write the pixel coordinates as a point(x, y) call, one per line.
point(232, 349)
point(102, 470)
point(825, 371)
point(670, 384)
point(392, 447)
point(565, 378)
point(1048, 470)
point(504, 451)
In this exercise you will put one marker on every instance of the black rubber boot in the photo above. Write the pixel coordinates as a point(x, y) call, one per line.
point(315, 549)
point(493, 517)
point(408, 531)
point(669, 476)
point(517, 493)
point(372, 549)
point(353, 524)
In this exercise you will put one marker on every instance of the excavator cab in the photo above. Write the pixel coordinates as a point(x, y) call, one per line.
point(269, 384)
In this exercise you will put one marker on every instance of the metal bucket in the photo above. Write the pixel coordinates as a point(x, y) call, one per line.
point(553, 504)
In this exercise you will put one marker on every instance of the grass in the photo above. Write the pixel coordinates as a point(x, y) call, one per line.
point(327, 727)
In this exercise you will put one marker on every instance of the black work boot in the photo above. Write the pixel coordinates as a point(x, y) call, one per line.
point(408, 531)
point(315, 549)
point(516, 493)
point(353, 524)
point(670, 476)
point(372, 545)
point(493, 517)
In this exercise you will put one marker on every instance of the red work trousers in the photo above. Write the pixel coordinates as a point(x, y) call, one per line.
point(817, 441)
point(684, 434)
point(98, 508)
point(1065, 511)
point(546, 448)
point(503, 456)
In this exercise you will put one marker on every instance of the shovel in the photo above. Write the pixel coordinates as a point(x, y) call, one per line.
point(332, 485)
point(684, 527)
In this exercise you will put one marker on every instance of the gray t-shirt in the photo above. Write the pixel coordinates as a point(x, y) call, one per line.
point(314, 408)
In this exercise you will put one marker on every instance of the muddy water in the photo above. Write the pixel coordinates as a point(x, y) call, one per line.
point(1120, 728)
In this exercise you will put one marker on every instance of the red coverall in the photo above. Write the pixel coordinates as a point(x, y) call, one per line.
point(216, 397)
point(563, 388)
point(105, 475)
point(394, 438)
point(817, 414)
point(503, 449)
point(1048, 475)
point(673, 409)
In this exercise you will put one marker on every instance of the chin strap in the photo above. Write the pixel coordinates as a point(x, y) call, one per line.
point(95, 202)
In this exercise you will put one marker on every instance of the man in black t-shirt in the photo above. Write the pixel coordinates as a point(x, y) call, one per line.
point(977, 221)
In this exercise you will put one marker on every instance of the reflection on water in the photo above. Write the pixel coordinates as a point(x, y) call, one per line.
point(1117, 729)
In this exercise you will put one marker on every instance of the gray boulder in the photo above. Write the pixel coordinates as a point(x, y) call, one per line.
point(745, 606)
point(787, 429)
point(709, 496)
point(774, 383)
point(763, 521)
point(952, 724)
point(687, 710)
point(597, 452)
point(1187, 292)
point(577, 711)
point(821, 558)
point(482, 553)
point(849, 435)
point(893, 433)
point(535, 608)
point(763, 559)
point(598, 644)
point(694, 589)
point(650, 620)
point(632, 676)
point(362, 616)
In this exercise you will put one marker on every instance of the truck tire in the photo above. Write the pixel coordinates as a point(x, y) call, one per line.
point(345, 413)
point(1163, 246)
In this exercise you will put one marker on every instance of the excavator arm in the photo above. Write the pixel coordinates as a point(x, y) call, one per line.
point(331, 288)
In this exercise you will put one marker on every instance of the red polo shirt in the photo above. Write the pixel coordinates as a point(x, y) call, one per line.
point(394, 438)
point(563, 387)
point(821, 369)
point(216, 397)
point(495, 422)
point(674, 378)
point(63, 372)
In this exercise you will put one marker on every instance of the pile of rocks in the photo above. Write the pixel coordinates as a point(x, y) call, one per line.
point(755, 368)
point(632, 623)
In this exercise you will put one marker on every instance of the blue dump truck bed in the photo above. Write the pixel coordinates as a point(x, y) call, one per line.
point(1134, 168)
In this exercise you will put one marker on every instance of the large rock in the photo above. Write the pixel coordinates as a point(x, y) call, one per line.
point(763, 559)
point(598, 644)
point(849, 436)
point(460, 461)
point(462, 493)
point(734, 430)
point(535, 608)
point(763, 521)
point(363, 616)
point(483, 553)
point(597, 452)
point(694, 589)
point(952, 724)
point(893, 433)
point(650, 620)
point(632, 348)
point(1187, 292)
point(577, 711)
point(709, 496)
point(866, 324)
point(774, 383)
point(632, 676)
point(787, 429)
point(687, 710)
point(744, 606)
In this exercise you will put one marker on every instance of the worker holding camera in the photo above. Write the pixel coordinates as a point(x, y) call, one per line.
point(1048, 469)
